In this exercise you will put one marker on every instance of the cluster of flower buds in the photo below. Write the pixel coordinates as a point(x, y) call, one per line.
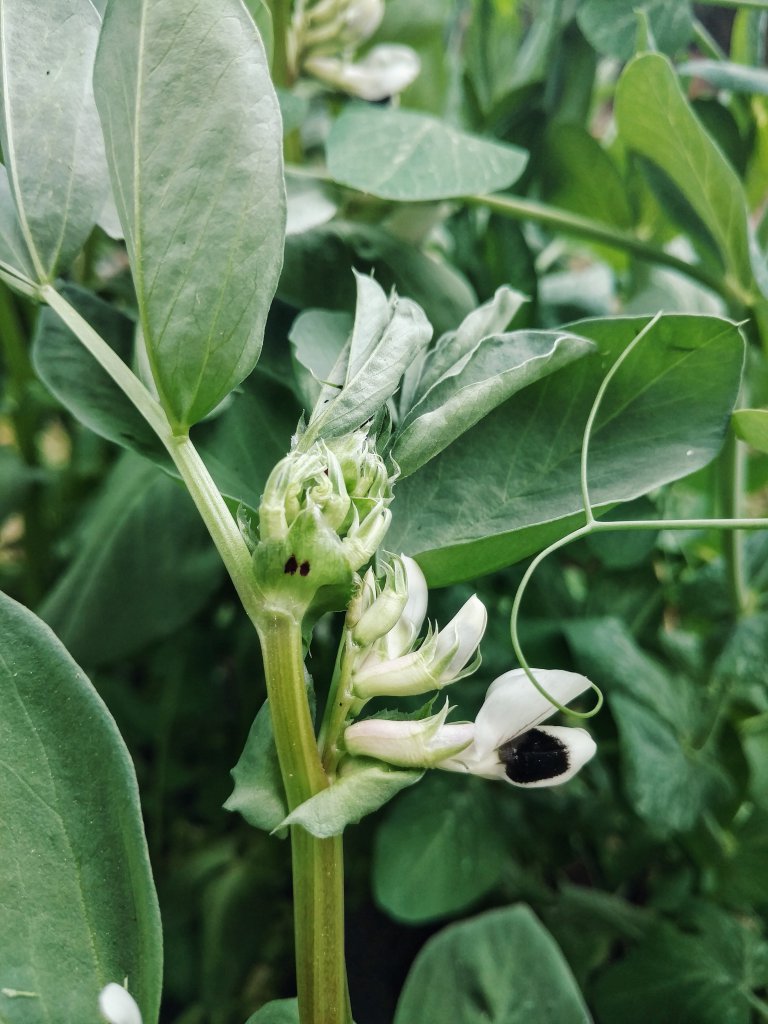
point(385, 620)
point(324, 36)
point(506, 741)
point(323, 515)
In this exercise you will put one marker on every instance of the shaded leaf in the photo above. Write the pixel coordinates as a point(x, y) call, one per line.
point(751, 425)
point(79, 905)
point(611, 26)
point(259, 794)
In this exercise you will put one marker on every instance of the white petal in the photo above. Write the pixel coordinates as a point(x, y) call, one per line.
point(117, 1006)
point(513, 705)
point(580, 748)
point(467, 626)
point(409, 744)
point(363, 17)
point(404, 632)
point(384, 72)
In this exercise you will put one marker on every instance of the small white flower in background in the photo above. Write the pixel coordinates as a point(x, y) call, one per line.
point(385, 71)
point(506, 740)
point(389, 667)
point(117, 1005)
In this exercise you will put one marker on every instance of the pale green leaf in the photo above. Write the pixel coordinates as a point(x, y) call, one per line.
point(656, 121)
point(194, 144)
point(317, 338)
point(611, 26)
point(402, 155)
point(362, 788)
point(510, 485)
point(279, 1011)
point(14, 257)
point(498, 368)
point(79, 905)
point(502, 967)
point(259, 794)
point(751, 425)
point(51, 139)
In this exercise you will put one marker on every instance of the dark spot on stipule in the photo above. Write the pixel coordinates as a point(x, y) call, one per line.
point(291, 566)
point(304, 569)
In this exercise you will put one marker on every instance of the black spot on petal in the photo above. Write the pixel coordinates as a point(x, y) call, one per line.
point(533, 757)
point(291, 565)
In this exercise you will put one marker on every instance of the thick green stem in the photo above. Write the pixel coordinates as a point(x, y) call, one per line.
point(318, 873)
point(732, 471)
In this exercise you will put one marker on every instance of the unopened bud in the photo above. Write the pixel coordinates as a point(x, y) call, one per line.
point(422, 743)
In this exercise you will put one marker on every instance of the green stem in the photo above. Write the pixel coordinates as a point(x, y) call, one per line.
point(337, 707)
point(732, 468)
point(517, 208)
point(707, 43)
point(318, 871)
point(758, 5)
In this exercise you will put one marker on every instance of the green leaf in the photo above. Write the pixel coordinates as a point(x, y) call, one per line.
point(361, 789)
point(71, 373)
point(317, 339)
point(438, 850)
point(669, 777)
point(462, 976)
point(510, 485)
point(14, 257)
point(262, 19)
point(194, 143)
point(751, 425)
point(79, 905)
point(144, 566)
point(16, 477)
point(402, 155)
point(388, 333)
point(51, 139)
point(259, 794)
point(656, 121)
point(477, 383)
point(279, 1011)
point(611, 25)
point(703, 978)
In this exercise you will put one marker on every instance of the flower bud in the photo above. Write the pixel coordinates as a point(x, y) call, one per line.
point(117, 1005)
point(382, 606)
point(422, 743)
point(361, 19)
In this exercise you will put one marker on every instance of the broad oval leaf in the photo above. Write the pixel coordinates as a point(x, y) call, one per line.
point(402, 155)
point(510, 485)
point(51, 138)
point(79, 905)
point(144, 566)
point(611, 26)
point(14, 257)
point(502, 967)
point(751, 425)
point(194, 143)
point(438, 850)
point(655, 120)
point(259, 794)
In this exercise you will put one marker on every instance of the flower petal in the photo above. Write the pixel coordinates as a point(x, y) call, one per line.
point(467, 627)
point(400, 638)
point(384, 72)
point(117, 1005)
point(513, 705)
point(549, 763)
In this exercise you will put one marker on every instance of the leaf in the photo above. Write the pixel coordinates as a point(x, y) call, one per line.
point(259, 794)
point(79, 905)
point(362, 789)
point(402, 155)
point(702, 978)
point(278, 1011)
point(751, 425)
point(51, 139)
point(194, 144)
point(656, 121)
point(438, 851)
point(498, 368)
point(461, 976)
point(670, 779)
point(611, 25)
point(387, 335)
point(71, 373)
point(14, 257)
point(144, 566)
point(317, 339)
point(16, 477)
point(510, 485)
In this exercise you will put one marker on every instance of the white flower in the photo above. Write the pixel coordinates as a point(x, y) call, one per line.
point(117, 1005)
point(385, 71)
point(506, 740)
point(509, 742)
point(414, 743)
point(389, 667)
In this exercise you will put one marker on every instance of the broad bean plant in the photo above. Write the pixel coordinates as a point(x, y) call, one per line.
point(384, 424)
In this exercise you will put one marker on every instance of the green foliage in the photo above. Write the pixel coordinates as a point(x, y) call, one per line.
point(80, 906)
